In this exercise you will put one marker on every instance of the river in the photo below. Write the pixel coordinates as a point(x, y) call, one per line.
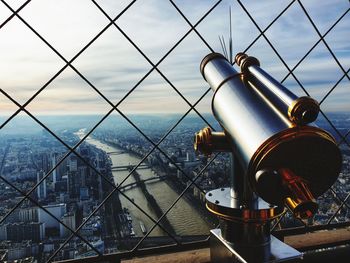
point(185, 219)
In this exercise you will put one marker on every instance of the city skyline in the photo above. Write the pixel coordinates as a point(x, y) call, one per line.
point(80, 182)
point(114, 66)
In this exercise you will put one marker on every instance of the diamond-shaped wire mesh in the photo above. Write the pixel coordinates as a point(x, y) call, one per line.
point(162, 60)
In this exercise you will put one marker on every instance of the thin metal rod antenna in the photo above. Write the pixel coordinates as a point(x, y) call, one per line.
point(230, 39)
point(225, 49)
point(222, 47)
point(221, 44)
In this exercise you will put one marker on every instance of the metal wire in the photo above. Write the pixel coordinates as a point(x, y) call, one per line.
point(52, 215)
point(121, 183)
point(72, 150)
point(22, 108)
point(14, 13)
point(322, 39)
point(192, 107)
point(176, 200)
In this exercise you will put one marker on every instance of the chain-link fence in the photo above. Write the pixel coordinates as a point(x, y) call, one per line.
point(274, 35)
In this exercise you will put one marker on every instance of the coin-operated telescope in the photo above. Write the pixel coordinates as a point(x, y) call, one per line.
point(279, 158)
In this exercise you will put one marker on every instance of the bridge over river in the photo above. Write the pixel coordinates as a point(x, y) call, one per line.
point(116, 153)
point(137, 183)
point(129, 167)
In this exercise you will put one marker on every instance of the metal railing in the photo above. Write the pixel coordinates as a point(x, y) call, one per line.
point(154, 67)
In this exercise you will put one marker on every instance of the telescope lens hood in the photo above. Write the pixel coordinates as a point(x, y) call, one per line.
point(208, 58)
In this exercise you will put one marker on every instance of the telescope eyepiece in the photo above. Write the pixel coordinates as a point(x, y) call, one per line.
point(303, 110)
point(207, 141)
point(283, 186)
point(299, 198)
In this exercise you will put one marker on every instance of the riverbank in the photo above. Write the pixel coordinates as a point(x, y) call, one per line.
point(153, 203)
point(184, 215)
point(196, 204)
point(178, 188)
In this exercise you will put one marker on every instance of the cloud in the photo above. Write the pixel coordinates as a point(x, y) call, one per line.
point(114, 66)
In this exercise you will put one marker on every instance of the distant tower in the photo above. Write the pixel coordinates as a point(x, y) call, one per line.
point(83, 175)
point(73, 164)
point(45, 162)
point(41, 190)
point(62, 168)
point(54, 173)
point(73, 184)
point(70, 221)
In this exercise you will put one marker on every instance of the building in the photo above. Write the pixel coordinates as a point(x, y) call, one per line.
point(69, 220)
point(73, 164)
point(58, 210)
point(84, 193)
point(17, 232)
point(41, 189)
point(44, 162)
point(3, 232)
point(61, 186)
point(73, 184)
point(22, 250)
point(62, 168)
point(84, 172)
point(29, 214)
point(53, 164)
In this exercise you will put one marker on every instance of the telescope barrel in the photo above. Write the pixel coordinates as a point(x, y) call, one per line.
point(239, 111)
point(263, 139)
point(218, 70)
point(300, 110)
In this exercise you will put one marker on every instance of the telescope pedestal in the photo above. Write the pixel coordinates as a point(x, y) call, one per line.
point(225, 252)
point(244, 234)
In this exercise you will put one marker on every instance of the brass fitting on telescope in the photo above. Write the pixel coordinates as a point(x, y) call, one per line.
point(299, 198)
point(293, 191)
point(303, 110)
point(207, 141)
point(244, 61)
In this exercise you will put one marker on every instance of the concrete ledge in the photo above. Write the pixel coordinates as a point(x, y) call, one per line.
point(319, 239)
point(302, 242)
point(192, 256)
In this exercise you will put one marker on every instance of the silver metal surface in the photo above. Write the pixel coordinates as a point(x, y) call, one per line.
point(299, 110)
point(246, 233)
point(221, 201)
point(243, 114)
point(274, 90)
point(222, 251)
point(226, 252)
point(261, 137)
point(218, 68)
point(239, 185)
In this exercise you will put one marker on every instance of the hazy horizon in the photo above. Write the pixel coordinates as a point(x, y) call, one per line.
point(114, 66)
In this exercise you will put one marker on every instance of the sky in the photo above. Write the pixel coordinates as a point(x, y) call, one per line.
point(114, 66)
